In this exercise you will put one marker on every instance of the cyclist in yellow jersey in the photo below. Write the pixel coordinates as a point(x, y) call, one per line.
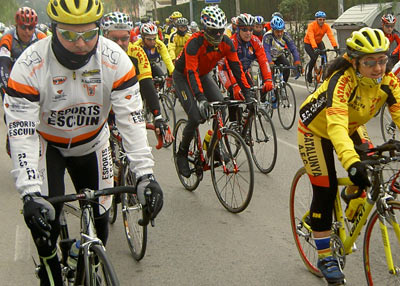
point(155, 49)
point(333, 118)
point(179, 38)
point(116, 26)
point(171, 26)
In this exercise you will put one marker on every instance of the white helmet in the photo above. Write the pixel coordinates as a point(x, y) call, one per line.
point(213, 17)
point(148, 29)
point(116, 21)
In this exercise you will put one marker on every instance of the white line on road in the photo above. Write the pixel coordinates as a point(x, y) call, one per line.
point(22, 243)
point(288, 144)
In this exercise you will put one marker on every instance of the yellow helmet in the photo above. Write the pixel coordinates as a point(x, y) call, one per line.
point(176, 15)
point(367, 41)
point(75, 12)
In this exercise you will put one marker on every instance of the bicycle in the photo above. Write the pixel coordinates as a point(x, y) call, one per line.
point(281, 97)
point(318, 74)
point(258, 132)
point(134, 215)
point(388, 127)
point(381, 261)
point(93, 265)
point(233, 182)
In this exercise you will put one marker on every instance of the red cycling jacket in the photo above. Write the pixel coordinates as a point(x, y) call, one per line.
point(394, 36)
point(199, 57)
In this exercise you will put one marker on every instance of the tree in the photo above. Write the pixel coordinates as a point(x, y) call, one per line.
point(295, 12)
point(8, 9)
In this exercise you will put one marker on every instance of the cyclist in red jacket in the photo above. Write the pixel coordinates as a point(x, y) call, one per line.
point(194, 86)
point(388, 22)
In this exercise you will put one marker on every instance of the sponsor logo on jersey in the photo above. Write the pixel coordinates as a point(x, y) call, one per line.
point(113, 56)
point(21, 128)
point(138, 116)
point(86, 114)
point(90, 89)
point(59, 80)
point(91, 80)
point(32, 58)
point(91, 73)
point(106, 161)
point(59, 96)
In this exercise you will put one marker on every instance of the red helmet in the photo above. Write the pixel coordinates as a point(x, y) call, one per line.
point(26, 16)
point(388, 19)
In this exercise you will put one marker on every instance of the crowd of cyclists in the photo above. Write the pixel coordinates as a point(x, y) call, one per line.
point(94, 68)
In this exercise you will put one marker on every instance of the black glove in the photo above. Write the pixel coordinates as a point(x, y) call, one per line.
point(150, 194)
point(204, 108)
point(37, 211)
point(249, 97)
point(337, 51)
point(299, 69)
point(316, 52)
point(358, 175)
point(160, 123)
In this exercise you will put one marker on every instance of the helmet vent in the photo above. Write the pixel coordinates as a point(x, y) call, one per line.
point(53, 10)
point(365, 34)
point(378, 37)
point(359, 43)
point(90, 4)
point(64, 6)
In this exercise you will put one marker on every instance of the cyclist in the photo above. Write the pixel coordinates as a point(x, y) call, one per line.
point(172, 27)
point(178, 38)
point(16, 40)
point(267, 25)
point(332, 119)
point(56, 105)
point(258, 29)
point(249, 48)
point(116, 27)
point(155, 49)
point(313, 40)
point(193, 83)
point(388, 22)
point(275, 41)
point(194, 28)
point(231, 29)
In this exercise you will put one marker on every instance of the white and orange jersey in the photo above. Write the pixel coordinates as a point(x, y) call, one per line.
point(69, 108)
point(396, 69)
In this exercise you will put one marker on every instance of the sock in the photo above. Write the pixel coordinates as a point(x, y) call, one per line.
point(50, 271)
point(323, 247)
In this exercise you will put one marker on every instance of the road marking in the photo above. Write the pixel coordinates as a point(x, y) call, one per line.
point(22, 243)
point(298, 85)
point(288, 144)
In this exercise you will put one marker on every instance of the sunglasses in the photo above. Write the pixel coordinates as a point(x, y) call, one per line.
point(215, 32)
point(246, 29)
point(389, 26)
point(373, 63)
point(150, 39)
point(122, 39)
point(72, 36)
point(24, 27)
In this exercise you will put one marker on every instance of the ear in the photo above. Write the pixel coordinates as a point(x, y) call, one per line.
point(353, 61)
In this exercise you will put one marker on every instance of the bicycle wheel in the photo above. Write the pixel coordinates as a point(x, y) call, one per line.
point(301, 194)
point(375, 265)
point(311, 87)
point(193, 181)
point(132, 212)
point(168, 113)
point(233, 181)
point(286, 106)
point(98, 267)
point(388, 127)
point(263, 142)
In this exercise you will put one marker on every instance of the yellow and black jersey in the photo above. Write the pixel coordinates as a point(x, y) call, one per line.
point(176, 44)
point(343, 103)
point(140, 61)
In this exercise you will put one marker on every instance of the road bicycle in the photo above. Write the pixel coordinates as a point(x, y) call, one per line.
point(381, 249)
point(318, 73)
point(227, 156)
point(388, 127)
point(258, 132)
point(93, 267)
point(282, 97)
point(134, 215)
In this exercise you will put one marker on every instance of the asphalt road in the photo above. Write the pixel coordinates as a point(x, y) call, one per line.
point(195, 240)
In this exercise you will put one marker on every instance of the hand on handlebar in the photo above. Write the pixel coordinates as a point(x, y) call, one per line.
point(162, 130)
point(268, 85)
point(317, 52)
point(37, 213)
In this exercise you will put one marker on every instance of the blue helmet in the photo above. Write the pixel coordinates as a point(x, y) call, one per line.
point(277, 23)
point(320, 14)
point(258, 20)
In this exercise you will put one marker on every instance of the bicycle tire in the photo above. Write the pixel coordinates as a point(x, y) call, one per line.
point(388, 127)
point(263, 131)
point(132, 212)
point(375, 267)
point(311, 87)
point(113, 213)
point(193, 181)
point(168, 114)
point(286, 106)
point(234, 200)
point(98, 267)
point(299, 205)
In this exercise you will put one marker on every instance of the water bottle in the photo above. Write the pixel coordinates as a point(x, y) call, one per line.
point(72, 259)
point(273, 100)
point(207, 139)
point(355, 206)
